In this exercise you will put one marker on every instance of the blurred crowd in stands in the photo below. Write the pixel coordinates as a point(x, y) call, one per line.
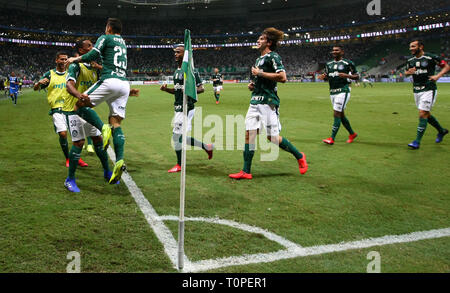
point(338, 16)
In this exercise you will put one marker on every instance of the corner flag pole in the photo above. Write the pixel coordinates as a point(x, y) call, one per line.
point(182, 182)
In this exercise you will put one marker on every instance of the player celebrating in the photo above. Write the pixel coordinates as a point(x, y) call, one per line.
point(422, 67)
point(339, 73)
point(80, 77)
point(177, 120)
point(13, 87)
point(264, 104)
point(217, 84)
point(55, 81)
point(112, 88)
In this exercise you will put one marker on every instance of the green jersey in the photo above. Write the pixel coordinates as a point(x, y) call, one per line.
point(178, 82)
point(113, 51)
point(425, 67)
point(218, 79)
point(338, 84)
point(84, 76)
point(265, 91)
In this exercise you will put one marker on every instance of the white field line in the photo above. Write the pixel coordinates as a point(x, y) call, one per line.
point(291, 250)
point(252, 229)
point(163, 233)
point(298, 251)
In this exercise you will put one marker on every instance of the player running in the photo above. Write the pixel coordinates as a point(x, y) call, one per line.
point(264, 104)
point(339, 74)
point(177, 120)
point(423, 67)
point(365, 81)
point(55, 81)
point(217, 84)
point(80, 77)
point(13, 87)
point(112, 88)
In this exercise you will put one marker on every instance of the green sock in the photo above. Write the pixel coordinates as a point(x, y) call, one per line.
point(336, 125)
point(288, 147)
point(217, 97)
point(74, 157)
point(177, 145)
point(347, 125)
point(249, 152)
point(433, 121)
point(178, 152)
point(193, 142)
point(119, 142)
point(64, 146)
point(421, 128)
point(89, 140)
point(102, 155)
point(91, 117)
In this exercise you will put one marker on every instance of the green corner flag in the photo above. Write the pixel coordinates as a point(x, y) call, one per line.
point(190, 87)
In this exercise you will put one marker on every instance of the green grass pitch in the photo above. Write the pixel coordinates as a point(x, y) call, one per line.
point(371, 188)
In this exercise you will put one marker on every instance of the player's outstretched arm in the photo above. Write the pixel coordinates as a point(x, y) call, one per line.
point(164, 88)
point(323, 76)
point(71, 89)
point(37, 85)
point(445, 69)
point(200, 89)
point(350, 76)
point(134, 92)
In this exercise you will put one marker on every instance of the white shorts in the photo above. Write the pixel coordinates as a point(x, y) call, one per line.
point(60, 122)
point(218, 88)
point(425, 100)
point(177, 122)
point(80, 129)
point(365, 80)
point(340, 101)
point(265, 114)
point(114, 92)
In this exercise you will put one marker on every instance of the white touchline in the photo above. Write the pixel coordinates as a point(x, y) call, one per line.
point(291, 249)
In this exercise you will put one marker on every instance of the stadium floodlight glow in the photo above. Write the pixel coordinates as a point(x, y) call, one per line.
point(167, 2)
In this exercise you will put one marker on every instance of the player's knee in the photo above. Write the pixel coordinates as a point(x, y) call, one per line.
point(63, 134)
point(424, 114)
point(79, 143)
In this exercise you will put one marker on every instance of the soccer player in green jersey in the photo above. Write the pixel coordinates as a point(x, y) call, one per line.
point(423, 67)
point(112, 88)
point(80, 77)
point(339, 74)
point(264, 104)
point(177, 91)
point(217, 84)
point(55, 81)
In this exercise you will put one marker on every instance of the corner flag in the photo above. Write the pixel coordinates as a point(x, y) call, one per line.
point(190, 90)
point(190, 87)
